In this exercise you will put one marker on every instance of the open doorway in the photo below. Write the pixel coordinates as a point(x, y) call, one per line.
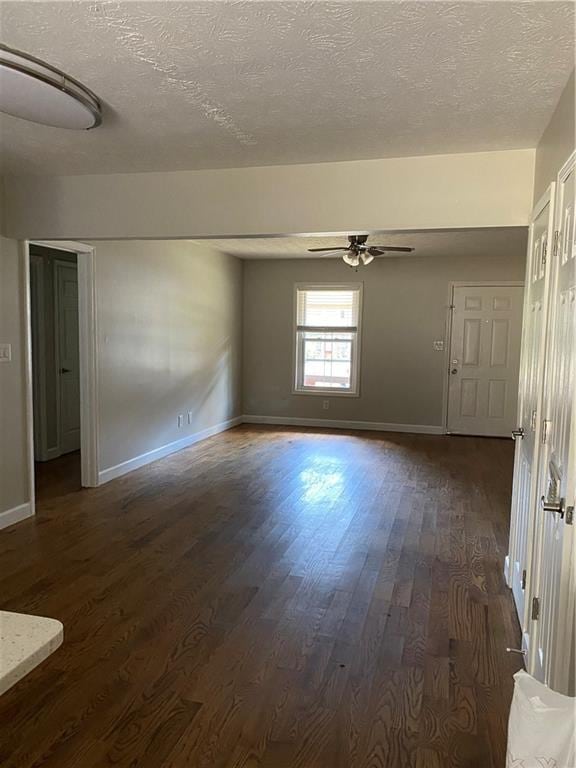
point(62, 368)
point(55, 367)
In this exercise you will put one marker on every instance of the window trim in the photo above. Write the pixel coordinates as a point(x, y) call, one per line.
point(354, 390)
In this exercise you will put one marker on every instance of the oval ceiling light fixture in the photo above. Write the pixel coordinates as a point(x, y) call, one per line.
point(36, 91)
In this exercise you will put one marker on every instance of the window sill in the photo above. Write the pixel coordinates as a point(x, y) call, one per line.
point(325, 393)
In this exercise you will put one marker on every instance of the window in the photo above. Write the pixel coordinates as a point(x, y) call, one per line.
point(327, 348)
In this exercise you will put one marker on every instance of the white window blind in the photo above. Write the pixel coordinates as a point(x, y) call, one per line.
point(327, 327)
point(328, 308)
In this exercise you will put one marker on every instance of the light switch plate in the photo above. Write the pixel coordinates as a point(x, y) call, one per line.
point(438, 345)
point(5, 352)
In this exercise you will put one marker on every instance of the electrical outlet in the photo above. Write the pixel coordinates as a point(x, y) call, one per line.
point(5, 353)
point(325, 404)
point(189, 417)
point(180, 420)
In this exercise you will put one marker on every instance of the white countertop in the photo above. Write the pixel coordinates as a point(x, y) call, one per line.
point(25, 641)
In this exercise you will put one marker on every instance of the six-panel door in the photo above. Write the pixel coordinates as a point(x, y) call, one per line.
point(484, 359)
point(554, 588)
point(529, 422)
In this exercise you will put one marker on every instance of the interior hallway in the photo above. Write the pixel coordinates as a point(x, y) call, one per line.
point(57, 477)
point(271, 597)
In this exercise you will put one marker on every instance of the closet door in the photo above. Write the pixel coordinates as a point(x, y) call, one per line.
point(529, 424)
point(553, 590)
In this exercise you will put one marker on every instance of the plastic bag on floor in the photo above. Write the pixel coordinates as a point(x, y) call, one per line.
point(542, 726)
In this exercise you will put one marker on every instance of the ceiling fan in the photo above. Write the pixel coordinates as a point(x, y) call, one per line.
point(358, 252)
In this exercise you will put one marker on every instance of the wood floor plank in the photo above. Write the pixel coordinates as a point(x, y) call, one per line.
point(273, 598)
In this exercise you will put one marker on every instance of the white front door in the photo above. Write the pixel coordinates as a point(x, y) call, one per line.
point(554, 589)
point(484, 359)
point(529, 422)
point(66, 275)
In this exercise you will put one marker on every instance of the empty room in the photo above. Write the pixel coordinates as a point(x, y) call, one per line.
point(287, 384)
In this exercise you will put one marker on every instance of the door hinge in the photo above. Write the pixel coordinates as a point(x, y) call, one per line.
point(535, 608)
point(569, 516)
point(545, 428)
point(524, 579)
point(556, 243)
point(544, 252)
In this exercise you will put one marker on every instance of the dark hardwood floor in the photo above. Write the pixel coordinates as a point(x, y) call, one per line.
point(58, 477)
point(274, 598)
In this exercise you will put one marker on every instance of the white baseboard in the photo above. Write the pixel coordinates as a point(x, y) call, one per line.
point(377, 426)
point(118, 470)
point(526, 643)
point(48, 454)
point(15, 515)
point(507, 574)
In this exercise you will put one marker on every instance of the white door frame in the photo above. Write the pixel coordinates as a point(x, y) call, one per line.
point(88, 358)
point(449, 326)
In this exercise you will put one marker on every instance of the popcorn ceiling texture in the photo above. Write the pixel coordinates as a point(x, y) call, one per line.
point(223, 84)
point(497, 243)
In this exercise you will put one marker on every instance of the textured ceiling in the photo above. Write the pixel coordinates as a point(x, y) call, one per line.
point(226, 84)
point(500, 243)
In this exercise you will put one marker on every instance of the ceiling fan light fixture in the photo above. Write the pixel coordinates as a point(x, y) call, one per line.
point(358, 252)
point(351, 258)
point(33, 90)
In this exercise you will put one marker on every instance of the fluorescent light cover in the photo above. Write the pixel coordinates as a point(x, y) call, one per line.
point(35, 91)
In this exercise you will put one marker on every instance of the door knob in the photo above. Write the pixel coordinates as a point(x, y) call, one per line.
point(65, 370)
point(454, 371)
point(552, 505)
point(518, 433)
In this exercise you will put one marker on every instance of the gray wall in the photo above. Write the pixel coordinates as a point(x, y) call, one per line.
point(13, 444)
point(557, 142)
point(169, 317)
point(405, 304)
point(169, 342)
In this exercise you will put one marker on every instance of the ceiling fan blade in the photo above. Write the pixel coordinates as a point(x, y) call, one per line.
point(333, 253)
point(336, 248)
point(377, 250)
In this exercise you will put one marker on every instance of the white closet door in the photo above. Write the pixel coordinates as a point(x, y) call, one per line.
point(553, 625)
point(529, 422)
